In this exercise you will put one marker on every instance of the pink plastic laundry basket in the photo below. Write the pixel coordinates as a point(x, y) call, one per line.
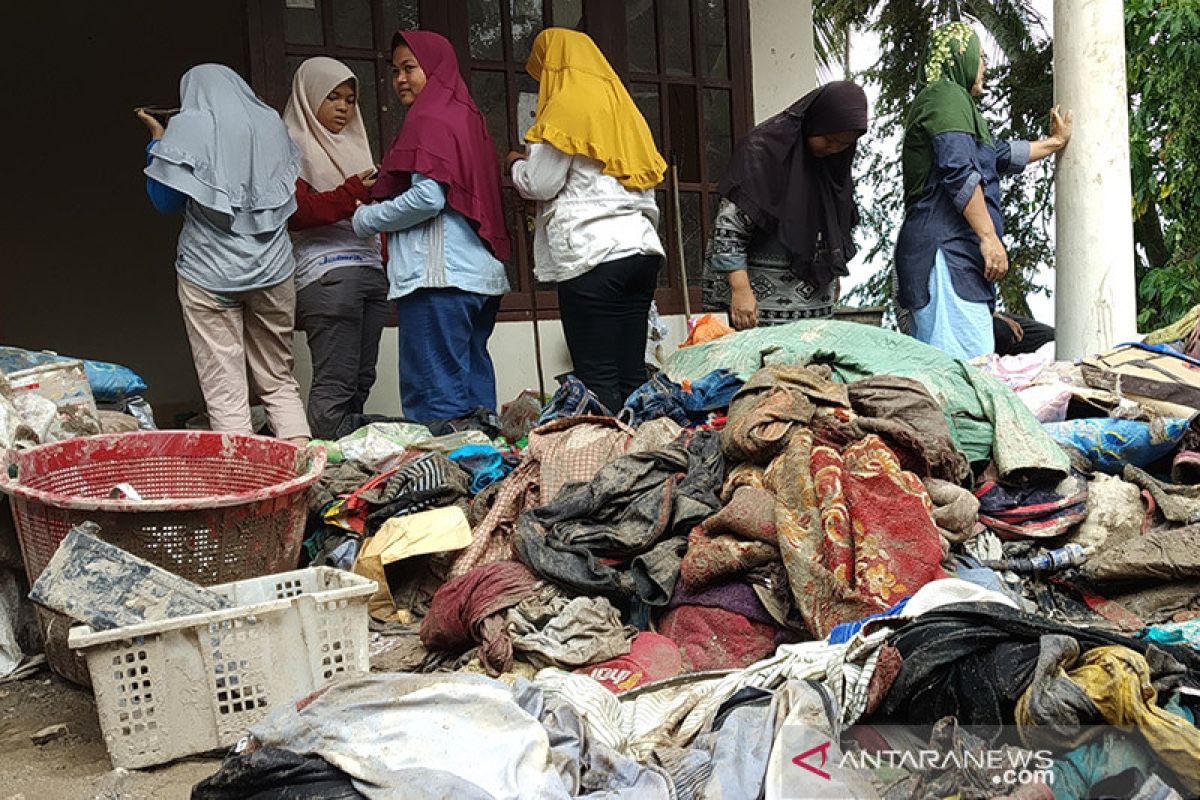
point(215, 507)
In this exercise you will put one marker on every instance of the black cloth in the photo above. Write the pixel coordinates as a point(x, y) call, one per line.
point(429, 481)
point(776, 180)
point(343, 314)
point(972, 661)
point(271, 773)
point(636, 512)
point(604, 316)
point(1036, 335)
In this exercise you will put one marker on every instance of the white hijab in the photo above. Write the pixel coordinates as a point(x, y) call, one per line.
point(326, 159)
point(228, 151)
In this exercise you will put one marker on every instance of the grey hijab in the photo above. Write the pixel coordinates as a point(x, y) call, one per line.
point(228, 151)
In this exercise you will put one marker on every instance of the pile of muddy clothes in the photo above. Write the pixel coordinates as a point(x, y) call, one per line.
point(819, 532)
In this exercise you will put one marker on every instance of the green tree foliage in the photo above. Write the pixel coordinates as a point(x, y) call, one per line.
point(1162, 46)
point(1019, 93)
point(1163, 58)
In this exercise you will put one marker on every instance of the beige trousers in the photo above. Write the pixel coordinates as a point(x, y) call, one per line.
point(245, 332)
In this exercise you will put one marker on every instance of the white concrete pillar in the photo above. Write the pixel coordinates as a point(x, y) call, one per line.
point(1095, 292)
point(782, 60)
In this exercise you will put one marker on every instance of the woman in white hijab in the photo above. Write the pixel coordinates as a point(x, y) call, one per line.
point(225, 162)
point(341, 301)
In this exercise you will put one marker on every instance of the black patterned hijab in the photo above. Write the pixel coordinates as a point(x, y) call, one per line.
point(786, 190)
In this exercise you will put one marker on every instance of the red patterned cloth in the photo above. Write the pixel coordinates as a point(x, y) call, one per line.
point(855, 530)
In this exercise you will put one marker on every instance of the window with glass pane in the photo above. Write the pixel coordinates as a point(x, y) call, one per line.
point(526, 16)
point(677, 30)
point(640, 26)
point(718, 130)
point(302, 22)
point(645, 95)
point(487, 41)
point(352, 23)
point(490, 95)
point(400, 15)
point(716, 38)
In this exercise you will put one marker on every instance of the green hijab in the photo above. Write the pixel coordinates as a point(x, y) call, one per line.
point(943, 104)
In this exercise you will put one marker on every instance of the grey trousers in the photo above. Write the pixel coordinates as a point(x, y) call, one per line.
point(343, 313)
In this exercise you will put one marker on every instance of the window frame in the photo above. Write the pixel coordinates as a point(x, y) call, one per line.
point(605, 21)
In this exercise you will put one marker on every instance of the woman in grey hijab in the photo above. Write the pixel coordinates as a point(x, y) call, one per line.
point(226, 162)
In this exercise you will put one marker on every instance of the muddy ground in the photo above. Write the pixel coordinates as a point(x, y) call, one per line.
point(75, 765)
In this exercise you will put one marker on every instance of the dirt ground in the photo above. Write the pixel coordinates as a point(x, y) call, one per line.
point(75, 765)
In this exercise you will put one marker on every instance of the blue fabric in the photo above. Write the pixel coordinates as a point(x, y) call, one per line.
point(572, 399)
point(445, 370)
point(662, 397)
point(840, 634)
point(165, 199)
point(957, 327)
point(1110, 444)
point(413, 263)
point(485, 463)
point(1178, 633)
point(936, 221)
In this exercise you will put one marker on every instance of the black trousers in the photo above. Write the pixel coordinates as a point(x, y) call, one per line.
point(1036, 335)
point(343, 313)
point(604, 318)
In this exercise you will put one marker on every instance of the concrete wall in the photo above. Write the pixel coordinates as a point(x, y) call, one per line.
point(784, 68)
point(781, 54)
point(87, 262)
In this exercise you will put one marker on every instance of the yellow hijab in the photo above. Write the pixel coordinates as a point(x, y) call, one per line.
point(584, 109)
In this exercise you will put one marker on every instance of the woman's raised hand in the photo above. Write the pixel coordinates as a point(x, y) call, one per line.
point(156, 128)
point(1060, 126)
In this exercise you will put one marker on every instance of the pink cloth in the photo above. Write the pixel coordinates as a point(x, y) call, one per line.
point(445, 137)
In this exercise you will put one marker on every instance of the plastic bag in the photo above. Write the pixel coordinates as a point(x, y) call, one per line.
point(110, 382)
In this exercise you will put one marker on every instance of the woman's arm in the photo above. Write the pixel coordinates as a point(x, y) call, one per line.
point(727, 248)
point(314, 208)
point(424, 200)
point(1060, 134)
point(954, 158)
point(164, 199)
point(542, 174)
point(995, 259)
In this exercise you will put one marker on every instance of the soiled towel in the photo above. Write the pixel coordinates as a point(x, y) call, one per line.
point(567, 632)
point(738, 538)
point(470, 609)
point(1163, 555)
point(904, 414)
point(771, 405)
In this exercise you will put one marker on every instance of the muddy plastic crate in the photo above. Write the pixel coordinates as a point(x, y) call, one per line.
point(188, 685)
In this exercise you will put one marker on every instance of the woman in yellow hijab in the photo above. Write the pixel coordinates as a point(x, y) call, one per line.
point(592, 166)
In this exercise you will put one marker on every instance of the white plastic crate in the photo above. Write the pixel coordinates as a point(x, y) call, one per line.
point(183, 686)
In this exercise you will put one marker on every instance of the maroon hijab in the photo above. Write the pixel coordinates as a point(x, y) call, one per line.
point(445, 137)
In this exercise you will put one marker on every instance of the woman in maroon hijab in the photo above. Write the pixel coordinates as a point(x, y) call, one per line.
point(438, 203)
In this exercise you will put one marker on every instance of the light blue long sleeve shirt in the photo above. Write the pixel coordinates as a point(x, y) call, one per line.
point(430, 245)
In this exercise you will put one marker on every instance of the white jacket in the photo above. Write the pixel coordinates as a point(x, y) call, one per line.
point(584, 217)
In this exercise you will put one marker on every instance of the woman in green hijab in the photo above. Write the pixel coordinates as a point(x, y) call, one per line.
point(950, 253)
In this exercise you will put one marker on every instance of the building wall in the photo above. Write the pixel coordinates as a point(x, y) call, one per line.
point(784, 68)
point(87, 262)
